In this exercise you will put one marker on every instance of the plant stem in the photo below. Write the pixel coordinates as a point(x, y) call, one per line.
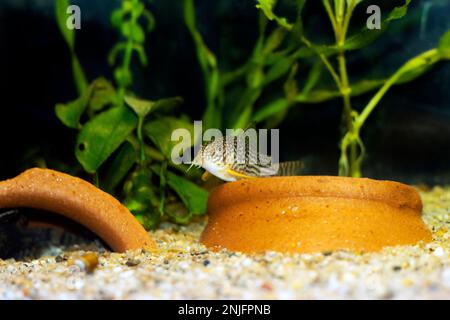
point(352, 138)
point(156, 155)
point(327, 6)
point(339, 14)
point(127, 55)
point(342, 24)
point(150, 152)
point(348, 112)
point(345, 89)
point(413, 63)
point(141, 140)
point(325, 61)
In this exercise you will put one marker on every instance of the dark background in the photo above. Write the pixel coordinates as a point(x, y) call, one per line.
point(407, 137)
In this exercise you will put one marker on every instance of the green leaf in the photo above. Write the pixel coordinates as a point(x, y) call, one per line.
point(141, 53)
point(270, 109)
point(123, 161)
point(208, 65)
point(193, 197)
point(133, 31)
point(178, 213)
point(412, 69)
point(138, 33)
point(140, 106)
point(150, 20)
point(123, 76)
point(314, 76)
point(138, 8)
point(399, 12)
point(255, 77)
point(141, 198)
point(102, 135)
point(102, 94)
point(415, 72)
point(127, 6)
point(267, 7)
point(275, 120)
point(160, 132)
point(162, 187)
point(121, 47)
point(112, 56)
point(61, 18)
point(290, 86)
point(367, 36)
point(318, 96)
point(167, 104)
point(242, 112)
point(417, 66)
point(274, 40)
point(144, 107)
point(69, 37)
point(99, 94)
point(78, 74)
point(244, 119)
point(298, 28)
point(116, 18)
point(444, 46)
point(315, 49)
point(189, 14)
point(70, 113)
point(204, 55)
point(279, 69)
point(314, 96)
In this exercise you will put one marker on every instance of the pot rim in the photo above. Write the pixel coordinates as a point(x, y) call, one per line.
point(395, 194)
point(79, 201)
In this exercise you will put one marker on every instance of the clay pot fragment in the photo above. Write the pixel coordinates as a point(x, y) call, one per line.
point(313, 214)
point(77, 200)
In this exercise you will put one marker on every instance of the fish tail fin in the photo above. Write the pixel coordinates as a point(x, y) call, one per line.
point(290, 168)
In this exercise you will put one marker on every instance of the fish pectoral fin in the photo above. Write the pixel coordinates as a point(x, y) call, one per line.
point(238, 174)
point(205, 175)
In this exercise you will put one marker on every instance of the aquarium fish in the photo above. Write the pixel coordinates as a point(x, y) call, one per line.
point(220, 158)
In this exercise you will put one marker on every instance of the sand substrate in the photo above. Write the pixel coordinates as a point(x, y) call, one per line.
point(183, 269)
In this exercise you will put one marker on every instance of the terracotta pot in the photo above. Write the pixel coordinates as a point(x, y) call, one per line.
point(77, 200)
point(311, 214)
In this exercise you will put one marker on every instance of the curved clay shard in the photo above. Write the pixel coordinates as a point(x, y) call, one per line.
point(312, 214)
point(78, 200)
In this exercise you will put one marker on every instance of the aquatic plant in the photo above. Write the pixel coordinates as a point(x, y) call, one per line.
point(352, 147)
point(263, 67)
point(276, 55)
point(124, 141)
point(69, 37)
